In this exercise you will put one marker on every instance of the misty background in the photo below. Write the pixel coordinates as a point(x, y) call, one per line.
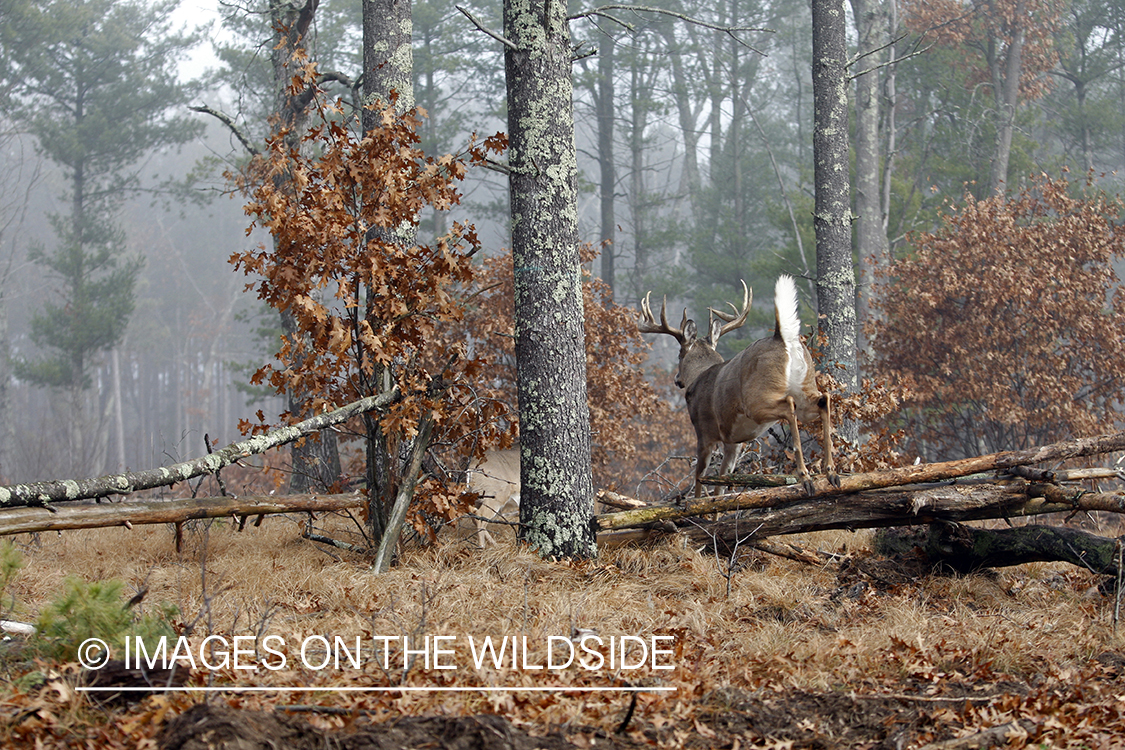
point(707, 179)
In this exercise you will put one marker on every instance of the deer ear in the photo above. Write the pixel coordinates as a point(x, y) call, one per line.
point(716, 332)
point(689, 331)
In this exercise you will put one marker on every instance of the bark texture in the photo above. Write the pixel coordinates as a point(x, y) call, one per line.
point(835, 284)
point(555, 477)
point(794, 495)
point(966, 549)
point(388, 73)
point(27, 520)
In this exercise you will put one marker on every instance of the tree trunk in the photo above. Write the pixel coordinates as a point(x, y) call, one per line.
point(835, 284)
point(556, 487)
point(690, 181)
point(851, 483)
point(103, 515)
point(872, 30)
point(42, 493)
point(7, 427)
point(388, 67)
point(314, 463)
point(603, 102)
point(638, 109)
point(1006, 89)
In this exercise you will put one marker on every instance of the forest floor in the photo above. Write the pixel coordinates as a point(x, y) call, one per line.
point(857, 653)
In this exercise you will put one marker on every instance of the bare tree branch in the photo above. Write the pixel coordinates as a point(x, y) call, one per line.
point(498, 37)
point(603, 12)
point(231, 125)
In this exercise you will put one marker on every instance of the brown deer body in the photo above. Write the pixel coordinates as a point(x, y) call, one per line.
point(732, 402)
point(496, 478)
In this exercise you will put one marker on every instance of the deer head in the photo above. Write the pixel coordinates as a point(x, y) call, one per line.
point(696, 354)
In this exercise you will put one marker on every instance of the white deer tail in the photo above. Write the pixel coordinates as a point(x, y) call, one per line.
point(789, 323)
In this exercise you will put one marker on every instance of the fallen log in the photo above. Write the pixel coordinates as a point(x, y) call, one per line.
point(26, 520)
point(964, 549)
point(823, 490)
point(42, 493)
point(906, 507)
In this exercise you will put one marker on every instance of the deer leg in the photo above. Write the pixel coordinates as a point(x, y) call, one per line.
point(483, 537)
point(702, 460)
point(806, 480)
point(825, 406)
point(730, 458)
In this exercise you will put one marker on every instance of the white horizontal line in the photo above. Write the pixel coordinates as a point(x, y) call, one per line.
point(346, 689)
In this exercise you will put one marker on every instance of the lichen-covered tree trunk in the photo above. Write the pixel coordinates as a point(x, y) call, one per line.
point(835, 283)
point(388, 66)
point(556, 495)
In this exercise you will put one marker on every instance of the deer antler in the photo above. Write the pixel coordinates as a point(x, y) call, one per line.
point(737, 318)
point(648, 324)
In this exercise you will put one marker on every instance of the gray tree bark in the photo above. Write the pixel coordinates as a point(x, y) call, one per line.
point(835, 284)
point(556, 486)
point(388, 67)
point(873, 32)
point(1006, 89)
point(603, 103)
point(314, 463)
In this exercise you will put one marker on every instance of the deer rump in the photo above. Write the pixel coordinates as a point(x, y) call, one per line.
point(736, 401)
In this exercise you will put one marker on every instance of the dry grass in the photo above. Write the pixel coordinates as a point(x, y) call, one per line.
point(782, 625)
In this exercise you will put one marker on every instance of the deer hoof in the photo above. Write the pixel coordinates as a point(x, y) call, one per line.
point(834, 479)
point(810, 489)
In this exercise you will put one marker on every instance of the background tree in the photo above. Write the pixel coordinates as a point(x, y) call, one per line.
point(1012, 42)
point(1007, 325)
point(388, 83)
point(873, 20)
point(275, 94)
point(94, 81)
point(364, 305)
point(1086, 105)
point(16, 183)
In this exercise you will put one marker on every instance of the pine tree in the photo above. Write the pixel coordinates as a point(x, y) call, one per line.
point(94, 82)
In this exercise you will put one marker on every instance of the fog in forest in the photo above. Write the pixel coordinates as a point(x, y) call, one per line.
point(708, 166)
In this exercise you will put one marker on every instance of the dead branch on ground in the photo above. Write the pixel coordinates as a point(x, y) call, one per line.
point(26, 520)
point(42, 493)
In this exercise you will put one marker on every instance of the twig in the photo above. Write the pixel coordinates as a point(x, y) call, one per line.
point(1117, 593)
point(602, 11)
point(229, 122)
point(337, 543)
point(481, 27)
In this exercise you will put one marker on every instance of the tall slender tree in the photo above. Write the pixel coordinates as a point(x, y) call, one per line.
point(96, 83)
point(388, 77)
point(873, 32)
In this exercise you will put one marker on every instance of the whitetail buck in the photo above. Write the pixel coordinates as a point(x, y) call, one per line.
point(771, 380)
point(496, 478)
